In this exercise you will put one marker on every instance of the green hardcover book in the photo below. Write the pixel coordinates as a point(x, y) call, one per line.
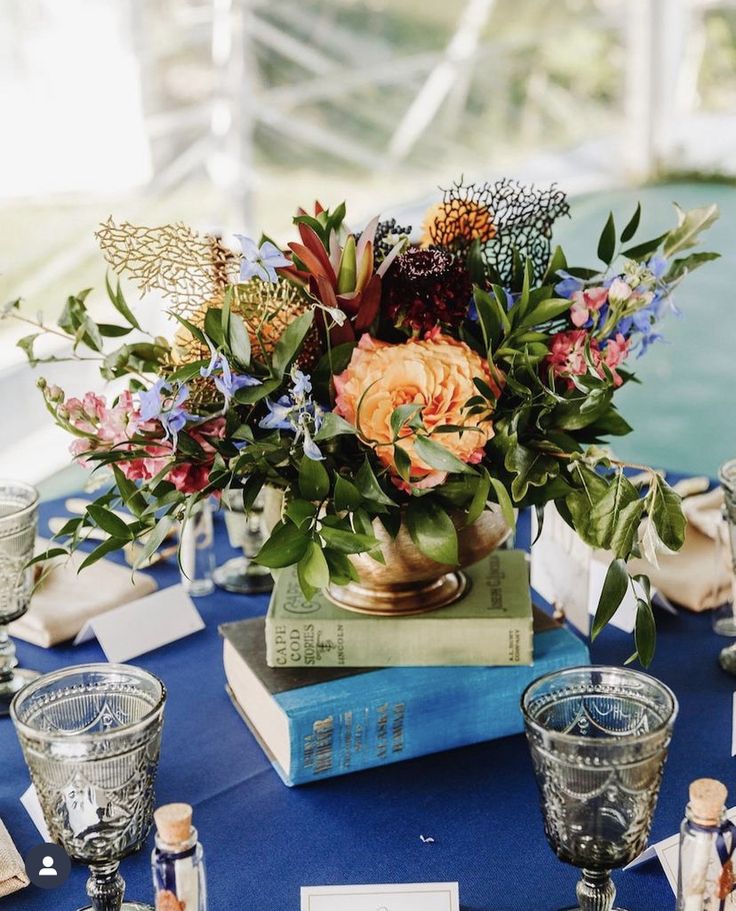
point(490, 625)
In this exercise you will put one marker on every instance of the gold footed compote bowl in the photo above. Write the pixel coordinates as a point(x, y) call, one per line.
point(91, 736)
point(598, 738)
point(18, 520)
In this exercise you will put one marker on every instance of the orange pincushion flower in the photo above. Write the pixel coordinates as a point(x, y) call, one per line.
point(455, 220)
point(436, 372)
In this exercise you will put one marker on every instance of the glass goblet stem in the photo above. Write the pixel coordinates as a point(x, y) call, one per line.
point(105, 887)
point(595, 891)
point(8, 660)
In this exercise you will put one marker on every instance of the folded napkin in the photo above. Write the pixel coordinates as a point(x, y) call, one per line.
point(12, 872)
point(65, 600)
point(700, 575)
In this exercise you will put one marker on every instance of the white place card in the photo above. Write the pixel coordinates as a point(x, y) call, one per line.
point(143, 625)
point(667, 852)
point(30, 801)
point(391, 897)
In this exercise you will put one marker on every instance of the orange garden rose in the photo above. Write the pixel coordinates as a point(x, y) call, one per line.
point(435, 372)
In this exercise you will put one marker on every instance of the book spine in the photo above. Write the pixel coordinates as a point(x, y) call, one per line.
point(374, 642)
point(402, 721)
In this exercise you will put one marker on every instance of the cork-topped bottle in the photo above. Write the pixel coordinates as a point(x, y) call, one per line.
point(705, 873)
point(177, 861)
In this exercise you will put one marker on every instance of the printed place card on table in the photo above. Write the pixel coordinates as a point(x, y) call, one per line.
point(143, 625)
point(387, 897)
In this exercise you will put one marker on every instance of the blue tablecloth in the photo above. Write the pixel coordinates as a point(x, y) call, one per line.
point(479, 804)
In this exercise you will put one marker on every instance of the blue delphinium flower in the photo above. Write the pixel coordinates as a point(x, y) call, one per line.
point(226, 382)
point(658, 265)
point(297, 413)
point(260, 262)
point(165, 403)
point(569, 284)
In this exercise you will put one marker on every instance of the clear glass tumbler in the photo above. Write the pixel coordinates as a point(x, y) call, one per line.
point(197, 550)
point(245, 530)
point(18, 521)
point(91, 736)
point(598, 738)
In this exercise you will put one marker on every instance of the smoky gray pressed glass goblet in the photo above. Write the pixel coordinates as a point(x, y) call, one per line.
point(598, 737)
point(18, 520)
point(91, 736)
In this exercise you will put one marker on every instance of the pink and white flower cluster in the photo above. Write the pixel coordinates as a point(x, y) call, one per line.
point(99, 427)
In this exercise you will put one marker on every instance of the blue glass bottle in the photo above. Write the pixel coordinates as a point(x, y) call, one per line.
point(177, 861)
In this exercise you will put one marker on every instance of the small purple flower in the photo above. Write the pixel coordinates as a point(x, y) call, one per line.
point(311, 449)
point(165, 404)
point(260, 262)
point(658, 265)
point(302, 384)
point(226, 382)
point(278, 416)
point(569, 284)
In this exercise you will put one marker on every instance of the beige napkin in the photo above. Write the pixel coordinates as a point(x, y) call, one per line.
point(699, 576)
point(65, 600)
point(12, 872)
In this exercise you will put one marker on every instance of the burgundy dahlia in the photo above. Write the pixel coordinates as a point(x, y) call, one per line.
point(424, 288)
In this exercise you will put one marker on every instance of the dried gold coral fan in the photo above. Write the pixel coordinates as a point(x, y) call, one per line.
point(192, 271)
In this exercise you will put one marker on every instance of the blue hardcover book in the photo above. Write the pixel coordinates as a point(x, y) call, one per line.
point(314, 724)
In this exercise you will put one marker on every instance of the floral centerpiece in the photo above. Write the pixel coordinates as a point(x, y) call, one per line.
point(387, 380)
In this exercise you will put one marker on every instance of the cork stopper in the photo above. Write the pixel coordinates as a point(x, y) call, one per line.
point(707, 800)
point(174, 822)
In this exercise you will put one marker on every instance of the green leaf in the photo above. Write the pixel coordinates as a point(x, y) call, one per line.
point(370, 489)
point(347, 542)
point(110, 330)
point(687, 264)
point(691, 225)
point(118, 301)
point(49, 554)
point(346, 496)
point(582, 501)
point(402, 462)
point(642, 251)
point(645, 632)
point(239, 340)
point(312, 569)
point(251, 394)
point(109, 522)
point(631, 227)
point(213, 326)
point(665, 510)
point(480, 497)
point(314, 482)
point(342, 570)
point(504, 501)
point(531, 467)
point(102, 550)
point(616, 516)
point(333, 426)
point(195, 331)
point(402, 415)
point(26, 346)
point(286, 545)
point(153, 540)
point(557, 262)
point(132, 497)
point(290, 342)
point(432, 530)
point(436, 456)
point(612, 594)
point(544, 312)
point(301, 511)
point(607, 241)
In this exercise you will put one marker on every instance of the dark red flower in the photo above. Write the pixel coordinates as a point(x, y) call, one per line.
point(426, 288)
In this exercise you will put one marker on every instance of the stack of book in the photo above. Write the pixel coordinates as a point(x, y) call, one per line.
point(327, 692)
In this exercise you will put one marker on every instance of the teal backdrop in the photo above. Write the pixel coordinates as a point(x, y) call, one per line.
point(684, 414)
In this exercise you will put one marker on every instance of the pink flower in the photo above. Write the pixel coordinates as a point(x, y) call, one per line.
point(585, 303)
point(567, 354)
point(615, 353)
point(189, 477)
